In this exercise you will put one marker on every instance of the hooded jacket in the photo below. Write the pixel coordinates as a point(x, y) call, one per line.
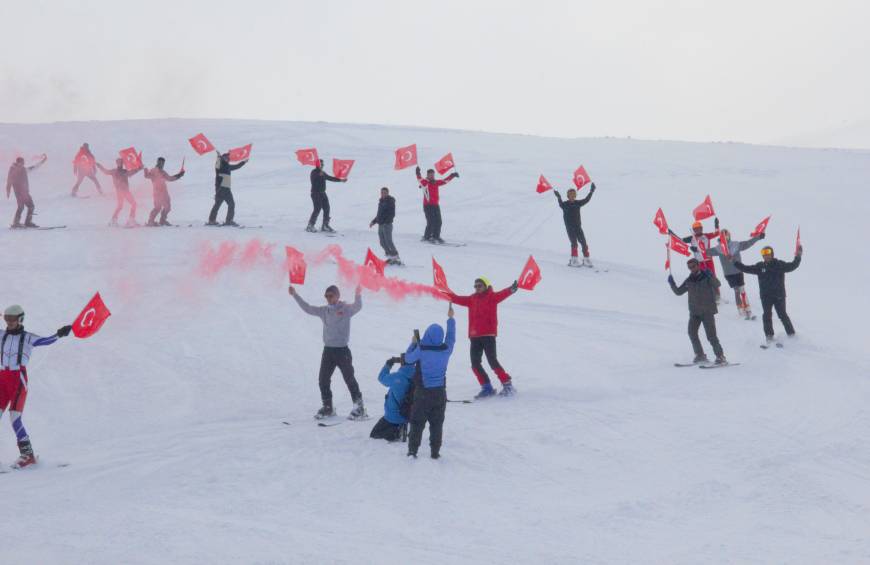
point(701, 287)
point(398, 382)
point(433, 353)
point(223, 171)
point(482, 310)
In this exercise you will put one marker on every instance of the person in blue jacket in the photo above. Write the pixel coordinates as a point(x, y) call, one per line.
point(399, 383)
point(430, 395)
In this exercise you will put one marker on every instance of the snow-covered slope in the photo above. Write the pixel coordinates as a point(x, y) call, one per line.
point(171, 416)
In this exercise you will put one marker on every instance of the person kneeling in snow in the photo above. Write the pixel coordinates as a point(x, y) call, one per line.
point(15, 348)
point(431, 355)
point(396, 401)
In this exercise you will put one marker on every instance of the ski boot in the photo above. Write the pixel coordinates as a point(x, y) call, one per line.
point(438, 240)
point(113, 223)
point(131, 223)
point(412, 454)
point(435, 453)
point(311, 228)
point(358, 412)
point(507, 389)
point(26, 458)
point(30, 225)
point(165, 223)
point(16, 226)
point(572, 262)
point(426, 239)
point(326, 411)
point(586, 263)
point(485, 392)
point(720, 360)
point(700, 359)
point(326, 228)
point(152, 224)
point(231, 224)
point(212, 223)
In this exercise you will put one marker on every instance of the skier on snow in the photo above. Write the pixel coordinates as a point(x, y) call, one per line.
point(431, 203)
point(16, 346)
point(162, 202)
point(701, 286)
point(120, 177)
point(771, 285)
point(483, 330)
point(384, 220)
point(319, 197)
point(727, 257)
point(84, 166)
point(17, 180)
point(399, 383)
point(432, 354)
point(700, 242)
point(571, 215)
point(223, 171)
point(336, 317)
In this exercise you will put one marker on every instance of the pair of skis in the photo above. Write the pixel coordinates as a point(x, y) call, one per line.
point(706, 365)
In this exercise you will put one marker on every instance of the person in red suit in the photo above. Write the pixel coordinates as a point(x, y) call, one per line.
point(432, 203)
point(482, 330)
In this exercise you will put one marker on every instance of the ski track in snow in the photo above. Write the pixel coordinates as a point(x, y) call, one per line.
point(171, 415)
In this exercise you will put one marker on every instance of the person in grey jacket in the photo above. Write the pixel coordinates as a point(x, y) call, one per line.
point(336, 317)
point(729, 256)
point(701, 286)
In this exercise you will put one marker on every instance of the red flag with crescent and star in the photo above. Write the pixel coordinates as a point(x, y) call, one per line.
point(374, 262)
point(679, 245)
point(341, 168)
point(132, 160)
point(439, 279)
point(445, 164)
point(201, 144)
point(295, 265)
point(543, 185)
point(660, 222)
point(308, 156)
point(406, 157)
point(581, 177)
point(241, 153)
point(704, 210)
point(530, 276)
point(760, 228)
point(91, 318)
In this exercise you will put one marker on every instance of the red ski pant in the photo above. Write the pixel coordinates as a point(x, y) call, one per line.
point(13, 389)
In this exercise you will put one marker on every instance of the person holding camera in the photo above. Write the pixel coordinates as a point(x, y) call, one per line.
point(397, 403)
point(431, 354)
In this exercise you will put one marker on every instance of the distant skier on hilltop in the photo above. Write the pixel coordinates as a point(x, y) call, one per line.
point(17, 181)
point(571, 216)
point(319, 198)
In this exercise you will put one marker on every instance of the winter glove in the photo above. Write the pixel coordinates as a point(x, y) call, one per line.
point(515, 286)
point(456, 175)
point(390, 362)
point(556, 194)
point(671, 279)
point(592, 188)
point(64, 331)
point(716, 223)
point(762, 235)
point(693, 248)
point(800, 251)
point(418, 169)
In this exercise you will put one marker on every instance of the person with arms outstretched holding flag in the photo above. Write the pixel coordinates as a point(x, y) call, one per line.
point(223, 171)
point(483, 330)
point(16, 346)
point(432, 203)
point(771, 285)
point(319, 198)
point(571, 216)
point(120, 178)
point(17, 181)
point(728, 255)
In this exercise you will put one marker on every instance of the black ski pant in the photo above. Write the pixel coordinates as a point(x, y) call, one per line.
point(337, 357)
point(485, 345)
point(433, 221)
point(429, 406)
point(321, 202)
point(709, 323)
point(778, 304)
point(386, 430)
point(575, 235)
point(385, 235)
point(221, 195)
point(24, 201)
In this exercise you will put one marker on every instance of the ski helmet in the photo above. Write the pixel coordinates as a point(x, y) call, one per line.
point(697, 225)
point(15, 310)
point(767, 250)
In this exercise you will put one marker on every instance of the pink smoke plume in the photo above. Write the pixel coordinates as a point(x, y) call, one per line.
point(213, 261)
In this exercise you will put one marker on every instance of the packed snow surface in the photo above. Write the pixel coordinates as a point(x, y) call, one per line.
point(171, 417)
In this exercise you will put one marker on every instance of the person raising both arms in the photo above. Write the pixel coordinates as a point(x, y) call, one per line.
point(771, 286)
point(84, 167)
point(432, 203)
point(727, 257)
point(319, 198)
point(571, 216)
point(162, 202)
point(120, 178)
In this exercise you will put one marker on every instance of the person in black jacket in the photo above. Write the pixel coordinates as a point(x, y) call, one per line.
point(384, 220)
point(571, 215)
point(701, 286)
point(223, 189)
point(319, 198)
point(771, 285)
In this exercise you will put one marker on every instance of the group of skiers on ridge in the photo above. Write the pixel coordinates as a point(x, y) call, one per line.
point(702, 286)
point(417, 389)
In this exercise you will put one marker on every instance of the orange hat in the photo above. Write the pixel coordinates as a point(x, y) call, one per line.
point(697, 225)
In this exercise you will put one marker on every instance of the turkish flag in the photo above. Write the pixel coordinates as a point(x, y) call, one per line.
point(132, 160)
point(241, 153)
point(543, 185)
point(295, 265)
point(445, 164)
point(581, 177)
point(308, 156)
point(439, 279)
point(704, 210)
point(341, 168)
point(201, 144)
point(660, 222)
point(530, 276)
point(724, 245)
point(760, 228)
point(406, 157)
point(797, 244)
point(679, 245)
point(91, 318)
point(375, 262)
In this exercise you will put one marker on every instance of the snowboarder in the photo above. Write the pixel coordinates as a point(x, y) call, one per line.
point(162, 202)
point(223, 189)
point(16, 346)
point(482, 331)
point(431, 354)
point(431, 203)
point(700, 242)
point(727, 257)
point(336, 317)
point(84, 166)
point(399, 383)
point(571, 215)
point(384, 220)
point(319, 197)
point(701, 286)
point(120, 177)
point(17, 180)
point(771, 285)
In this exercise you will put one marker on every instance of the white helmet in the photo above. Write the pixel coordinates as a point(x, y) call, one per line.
point(15, 310)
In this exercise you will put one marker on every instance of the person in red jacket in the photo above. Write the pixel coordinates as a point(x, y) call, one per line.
point(431, 203)
point(84, 167)
point(482, 330)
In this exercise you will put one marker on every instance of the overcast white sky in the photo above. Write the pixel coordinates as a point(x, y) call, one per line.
point(756, 71)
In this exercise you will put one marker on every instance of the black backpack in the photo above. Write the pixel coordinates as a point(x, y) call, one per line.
point(408, 401)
